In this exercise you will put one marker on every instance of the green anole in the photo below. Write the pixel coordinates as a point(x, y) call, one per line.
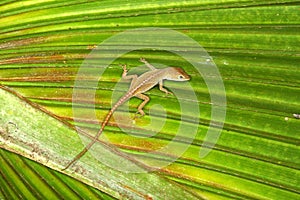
point(139, 85)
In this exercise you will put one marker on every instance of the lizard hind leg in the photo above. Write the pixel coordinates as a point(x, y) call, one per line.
point(141, 106)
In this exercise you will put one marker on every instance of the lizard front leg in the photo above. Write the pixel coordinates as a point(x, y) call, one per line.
point(124, 74)
point(141, 106)
point(161, 88)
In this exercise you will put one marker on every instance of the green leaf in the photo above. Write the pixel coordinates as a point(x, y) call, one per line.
point(36, 135)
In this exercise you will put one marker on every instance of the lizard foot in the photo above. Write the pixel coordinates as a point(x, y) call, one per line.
point(124, 67)
point(139, 114)
point(143, 60)
point(170, 93)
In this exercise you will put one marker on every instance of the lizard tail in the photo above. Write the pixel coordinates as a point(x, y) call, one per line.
point(105, 122)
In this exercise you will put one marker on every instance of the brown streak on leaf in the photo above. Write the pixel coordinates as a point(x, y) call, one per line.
point(32, 59)
point(145, 196)
point(39, 79)
point(43, 58)
point(18, 43)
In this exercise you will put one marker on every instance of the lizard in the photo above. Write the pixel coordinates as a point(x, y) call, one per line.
point(139, 85)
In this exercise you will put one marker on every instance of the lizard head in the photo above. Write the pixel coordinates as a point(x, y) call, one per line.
point(177, 74)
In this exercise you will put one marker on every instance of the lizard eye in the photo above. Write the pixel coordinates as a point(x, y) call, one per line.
point(180, 77)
